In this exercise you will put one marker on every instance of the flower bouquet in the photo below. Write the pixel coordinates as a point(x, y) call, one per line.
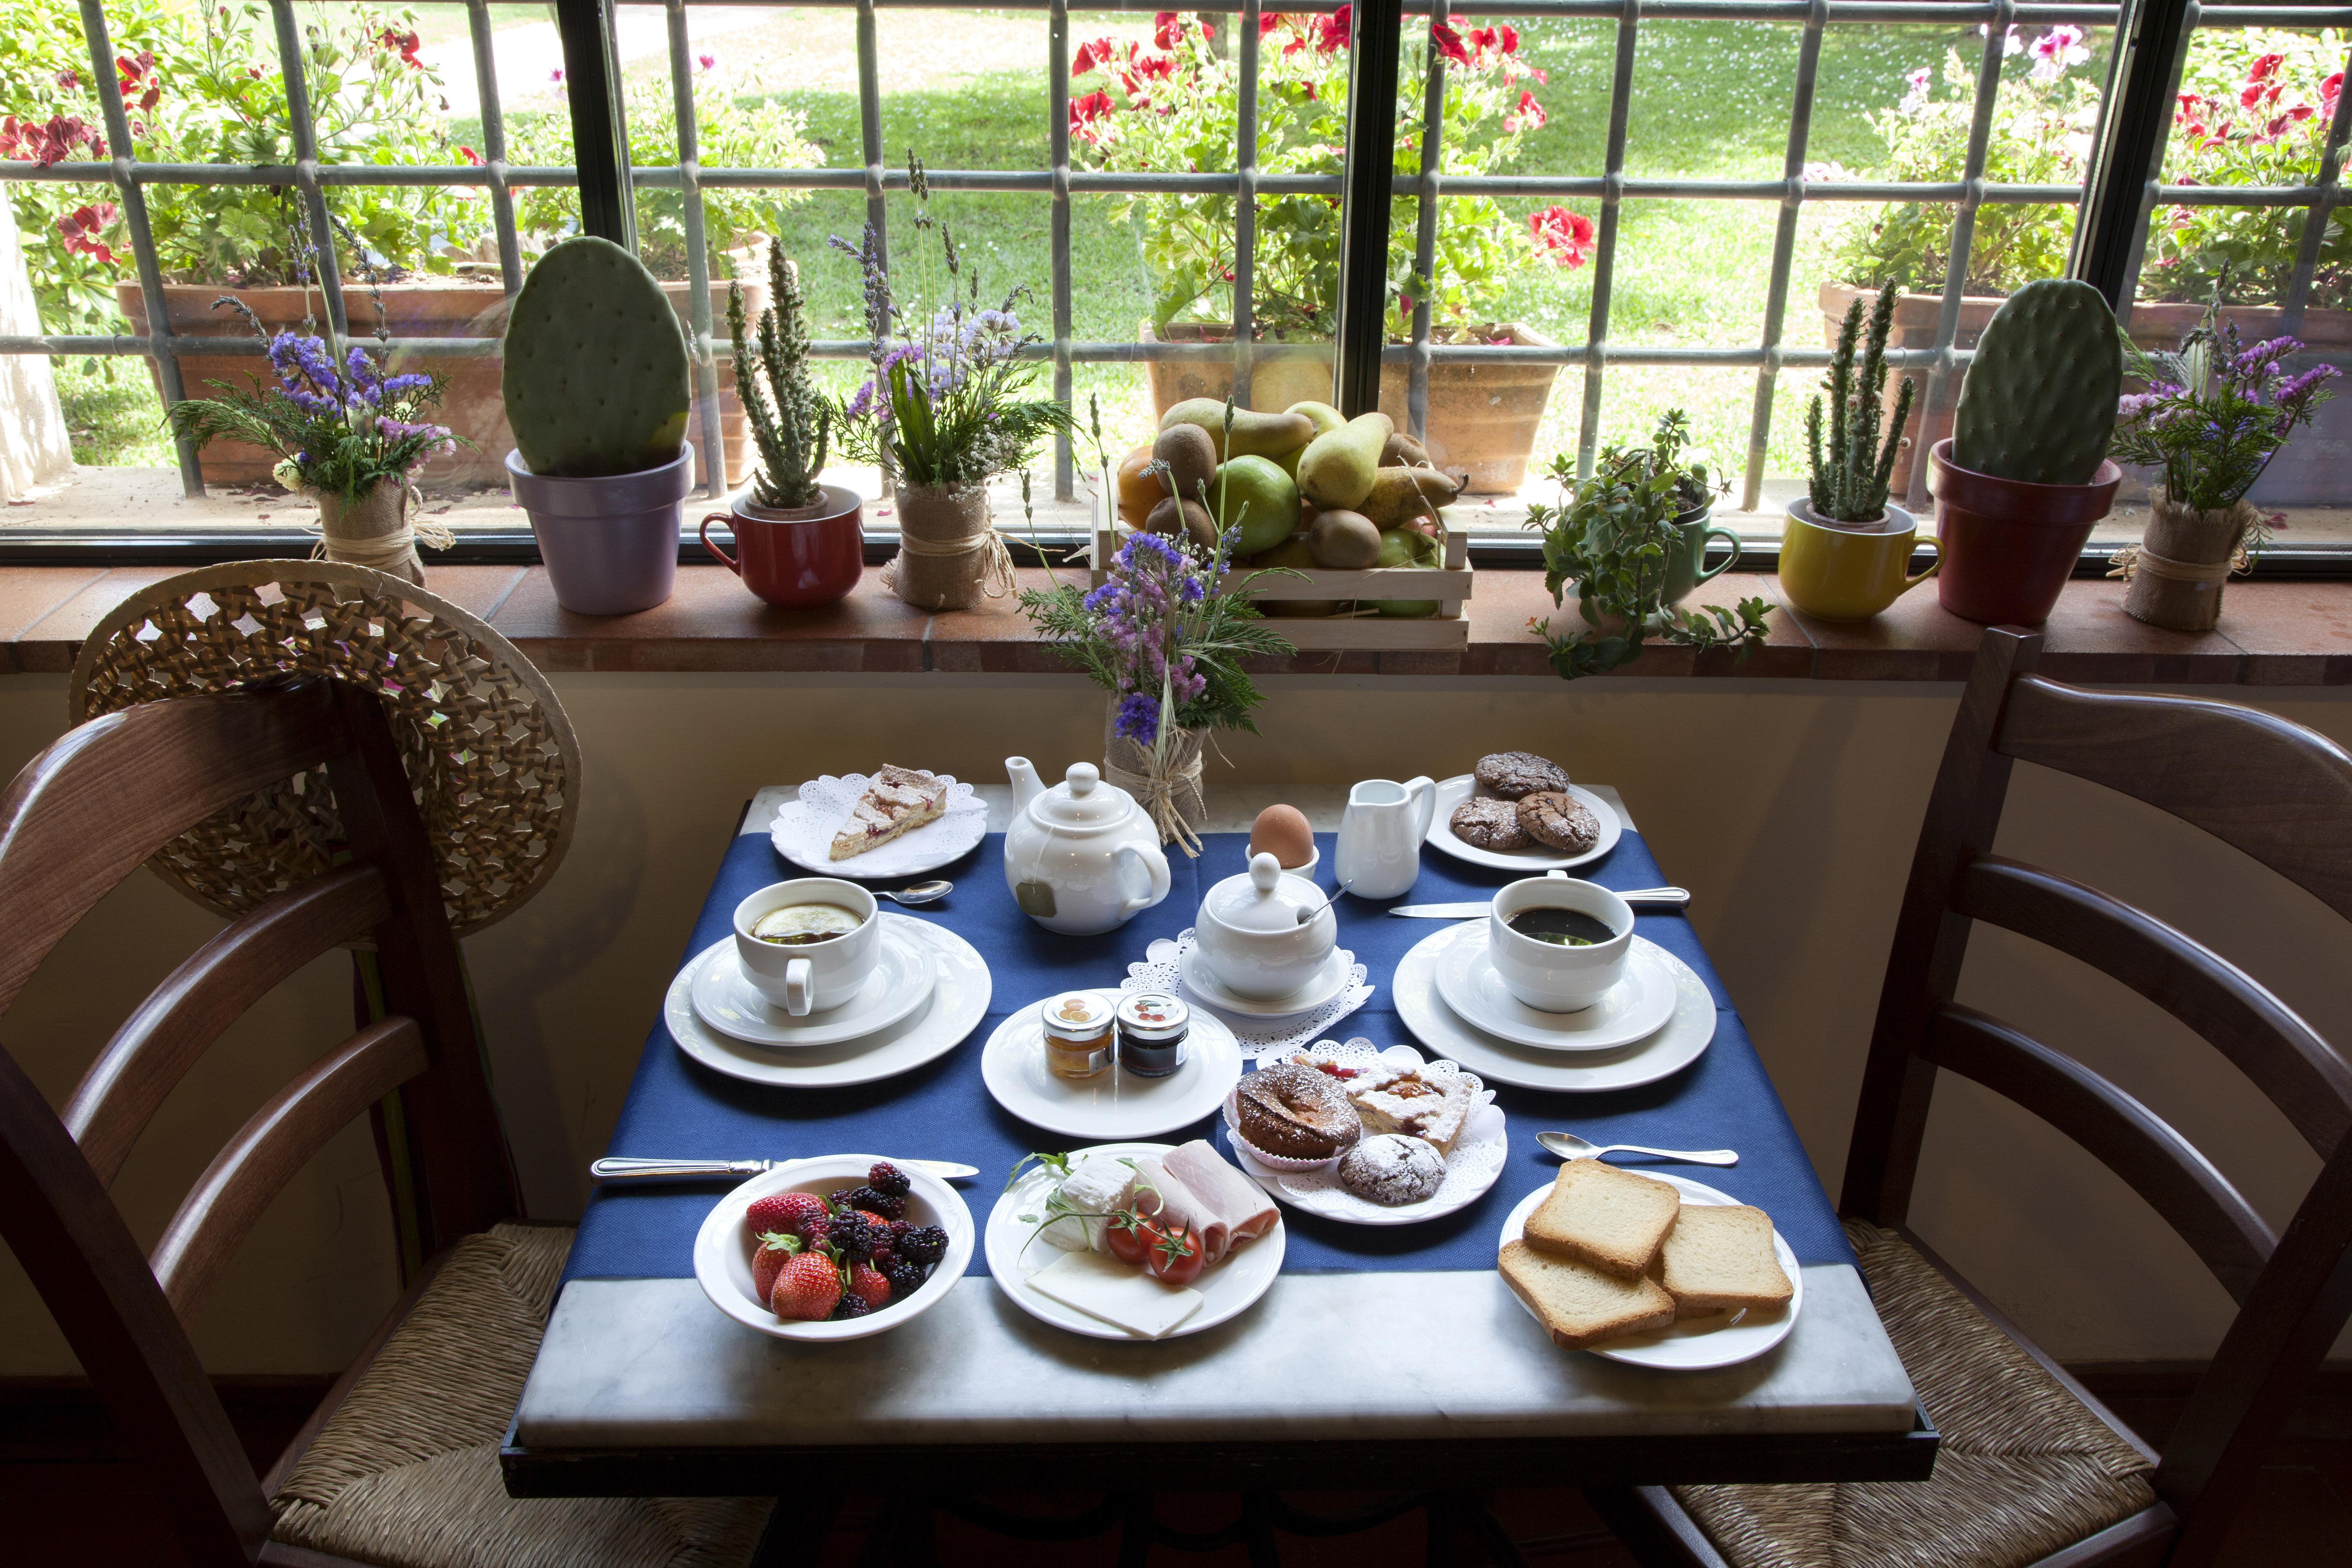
point(2214, 416)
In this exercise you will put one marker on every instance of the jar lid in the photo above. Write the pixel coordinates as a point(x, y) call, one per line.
point(1154, 1015)
point(1263, 899)
point(1075, 1013)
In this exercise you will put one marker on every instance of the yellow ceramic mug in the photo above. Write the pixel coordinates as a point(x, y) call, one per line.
point(1835, 575)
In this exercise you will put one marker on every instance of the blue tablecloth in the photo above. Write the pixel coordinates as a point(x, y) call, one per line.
point(677, 1108)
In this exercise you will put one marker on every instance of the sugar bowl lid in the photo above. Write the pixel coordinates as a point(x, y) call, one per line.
point(1262, 899)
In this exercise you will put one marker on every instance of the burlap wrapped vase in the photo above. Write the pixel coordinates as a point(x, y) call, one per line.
point(1168, 786)
point(376, 530)
point(949, 556)
point(2176, 571)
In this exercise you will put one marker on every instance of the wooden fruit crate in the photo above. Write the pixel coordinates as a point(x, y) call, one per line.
point(1450, 584)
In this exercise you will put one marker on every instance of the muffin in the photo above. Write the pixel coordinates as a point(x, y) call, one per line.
point(1294, 1112)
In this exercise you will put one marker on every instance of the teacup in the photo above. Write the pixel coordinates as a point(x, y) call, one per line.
point(1546, 975)
point(808, 978)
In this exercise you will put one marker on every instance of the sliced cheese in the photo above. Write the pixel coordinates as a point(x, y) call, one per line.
point(1119, 1294)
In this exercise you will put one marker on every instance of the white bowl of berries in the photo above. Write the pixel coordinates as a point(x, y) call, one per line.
point(835, 1248)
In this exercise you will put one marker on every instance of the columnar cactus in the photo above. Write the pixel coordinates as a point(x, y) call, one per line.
point(596, 378)
point(2039, 404)
point(1849, 479)
point(788, 416)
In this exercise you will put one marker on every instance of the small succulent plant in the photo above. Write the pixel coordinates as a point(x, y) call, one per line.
point(596, 379)
point(789, 418)
point(1851, 475)
point(2039, 405)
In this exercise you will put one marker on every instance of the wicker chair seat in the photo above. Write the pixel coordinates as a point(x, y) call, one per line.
point(406, 1474)
point(2024, 1469)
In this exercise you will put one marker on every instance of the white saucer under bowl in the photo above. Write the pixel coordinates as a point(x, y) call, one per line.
point(1329, 980)
point(1420, 1009)
point(1693, 1344)
point(1535, 857)
point(1115, 1103)
point(1634, 1007)
point(900, 983)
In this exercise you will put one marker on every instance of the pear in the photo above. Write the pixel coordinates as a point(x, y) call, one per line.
point(1344, 540)
point(1191, 457)
point(1407, 547)
point(1338, 467)
point(1397, 494)
point(1254, 493)
point(1254, 434)
point(1324, 417)
point(1295, 554)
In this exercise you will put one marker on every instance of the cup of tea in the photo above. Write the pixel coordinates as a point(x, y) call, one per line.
point(1558, 943)
point(807, 945)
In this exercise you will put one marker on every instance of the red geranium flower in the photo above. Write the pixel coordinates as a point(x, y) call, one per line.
point(468, 155)
point(2254, 92)
point(1529, 116)
point(1268, 21)
point(1449, 43)
point(1331, 31)
point(1156, 68)
point(2264, 67)
point(405, 43)
point(2331, 90)
point(80, 229)
point(1084, 114)
point(1566, 237)
point(1168, 31)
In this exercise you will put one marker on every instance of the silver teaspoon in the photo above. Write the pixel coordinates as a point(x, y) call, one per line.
point(929, 892)
point(1568, 1146)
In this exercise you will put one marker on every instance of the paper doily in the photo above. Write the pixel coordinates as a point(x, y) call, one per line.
point(1473, 1167)
point(804, 829)
point(1159, 970)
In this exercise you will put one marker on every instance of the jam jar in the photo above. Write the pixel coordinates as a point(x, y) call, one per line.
point(1078, 1030)
point(1152, 1028)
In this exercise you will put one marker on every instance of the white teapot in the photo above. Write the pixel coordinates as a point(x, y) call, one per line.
point(1080, 858)
point(1264, 934)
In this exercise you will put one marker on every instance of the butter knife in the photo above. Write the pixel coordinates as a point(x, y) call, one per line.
point(618, 1168)
point(1640, 898)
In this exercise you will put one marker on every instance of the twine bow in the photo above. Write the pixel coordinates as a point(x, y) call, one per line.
point(996, 579)
point(2137, 558)
point(385, 551)
point(1156, 787)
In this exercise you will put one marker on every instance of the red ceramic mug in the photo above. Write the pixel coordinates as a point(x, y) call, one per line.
point(798, 559)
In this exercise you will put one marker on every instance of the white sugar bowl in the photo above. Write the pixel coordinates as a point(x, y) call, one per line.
point(1264, 933)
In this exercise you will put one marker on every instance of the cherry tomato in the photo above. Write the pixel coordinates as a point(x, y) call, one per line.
point(1176, 1254)
point(1127, 1241)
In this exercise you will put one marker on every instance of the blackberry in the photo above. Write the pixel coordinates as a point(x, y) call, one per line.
point(889, 1205)
point(842, 1198)
point(889, 1180)
point(926, 1246)
point(852, 1235)
point(904, 1278)
point(851, 1305)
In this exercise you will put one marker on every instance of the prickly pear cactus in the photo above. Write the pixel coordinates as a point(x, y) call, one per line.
point(596, 377)
point(2039, 404)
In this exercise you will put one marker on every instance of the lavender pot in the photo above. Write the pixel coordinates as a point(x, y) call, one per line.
point(610, 543)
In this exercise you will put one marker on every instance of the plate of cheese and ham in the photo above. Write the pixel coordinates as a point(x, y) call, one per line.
point(1046, 1256)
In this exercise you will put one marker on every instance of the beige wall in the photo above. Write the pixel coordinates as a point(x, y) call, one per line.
point(1789, 808)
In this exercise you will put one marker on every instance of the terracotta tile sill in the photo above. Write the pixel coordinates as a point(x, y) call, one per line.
point(2272, 634)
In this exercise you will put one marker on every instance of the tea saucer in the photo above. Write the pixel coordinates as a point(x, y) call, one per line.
point(1115, 1103)
point(900, 983)
point(1329, 980)
point(1684, 1038)
point(1535, 857)
point(1626, 1012)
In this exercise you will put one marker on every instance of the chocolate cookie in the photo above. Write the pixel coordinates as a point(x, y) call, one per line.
point(1510, 775)
point(1489, 823)
point(1560, 820)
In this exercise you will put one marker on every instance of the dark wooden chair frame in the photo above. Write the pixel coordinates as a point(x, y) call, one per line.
point(77, 820)
point(2277, 793)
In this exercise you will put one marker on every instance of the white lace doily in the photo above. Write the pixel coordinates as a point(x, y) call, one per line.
point(1160, 971)
point(804, 829)
point(1470, 1170)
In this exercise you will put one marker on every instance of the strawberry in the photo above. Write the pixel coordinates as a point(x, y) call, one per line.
point(768, 1262)
point(787, 1214)
point(876, 1218)
point(805, 1289)
point(869, 1283)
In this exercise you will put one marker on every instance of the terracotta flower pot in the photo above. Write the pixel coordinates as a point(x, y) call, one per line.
point(2007, 547)
point(797, 557)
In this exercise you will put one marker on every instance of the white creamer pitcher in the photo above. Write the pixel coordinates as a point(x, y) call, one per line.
point(1378, 854)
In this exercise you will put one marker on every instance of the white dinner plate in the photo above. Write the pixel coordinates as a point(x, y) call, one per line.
point(1535, 858)
point(1329, 982)
point(959, 1002)
point(1114, 1103)
point(803, 828)
point(1421, 1010)
point(1722, 1339)
point(1228, 1287)
point(1634, 1008)
point(900, 983)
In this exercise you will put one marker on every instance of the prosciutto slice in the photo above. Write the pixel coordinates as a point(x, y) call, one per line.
point(1160, 1193)
point(1239, 1205)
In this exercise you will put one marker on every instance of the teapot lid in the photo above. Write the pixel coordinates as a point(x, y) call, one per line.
point(1262, 899)
point(1082, 800)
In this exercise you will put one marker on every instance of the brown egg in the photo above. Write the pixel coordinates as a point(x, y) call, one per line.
point(1282, 832)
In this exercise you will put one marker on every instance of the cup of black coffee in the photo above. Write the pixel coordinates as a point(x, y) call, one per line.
point(1560, 945)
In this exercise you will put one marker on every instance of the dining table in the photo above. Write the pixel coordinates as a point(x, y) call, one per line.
point(1378, 1356)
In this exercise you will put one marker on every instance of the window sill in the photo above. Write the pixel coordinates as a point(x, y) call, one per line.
point(2272, 633)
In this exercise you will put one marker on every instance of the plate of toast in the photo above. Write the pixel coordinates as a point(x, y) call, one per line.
point(897, 821)
point(1650, 1268)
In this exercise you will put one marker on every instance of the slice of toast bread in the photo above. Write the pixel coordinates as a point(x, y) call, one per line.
point(1579, 1305)
point(1720, 1258)
point(1599, 1215)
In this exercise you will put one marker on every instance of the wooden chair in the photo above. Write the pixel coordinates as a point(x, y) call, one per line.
point(2278, 793)
point(399, 1463)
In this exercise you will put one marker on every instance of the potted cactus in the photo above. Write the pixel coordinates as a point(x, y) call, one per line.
point(2025, 476)
point(597, 388)
point(798, 542)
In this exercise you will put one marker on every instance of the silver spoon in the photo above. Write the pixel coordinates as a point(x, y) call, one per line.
point(929, 892)
point(1568, 1146)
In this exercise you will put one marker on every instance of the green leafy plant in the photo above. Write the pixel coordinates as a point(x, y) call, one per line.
point(1611, 538)
point(789, 418)
point(1851, 476)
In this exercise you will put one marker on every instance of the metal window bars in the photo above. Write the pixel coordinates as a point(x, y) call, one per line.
point(1612, 188)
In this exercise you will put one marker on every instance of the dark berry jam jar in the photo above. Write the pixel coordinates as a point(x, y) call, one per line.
point(1153, 1029)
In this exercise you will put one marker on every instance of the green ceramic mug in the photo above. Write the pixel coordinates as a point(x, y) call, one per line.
point(1686, 556)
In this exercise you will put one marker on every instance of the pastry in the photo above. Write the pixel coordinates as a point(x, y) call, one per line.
point(1393, 1170)
point(1434, 1108)
point(1511, 775)
point(896, 800)
point(1600, 1215)
point(1486, 824)
point(1294, 1111)
point(1720, 1258)
point(1559, 820)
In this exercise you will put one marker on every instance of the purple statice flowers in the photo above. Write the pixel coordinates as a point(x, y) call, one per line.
point(1140, 614)
point(2214, 414)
